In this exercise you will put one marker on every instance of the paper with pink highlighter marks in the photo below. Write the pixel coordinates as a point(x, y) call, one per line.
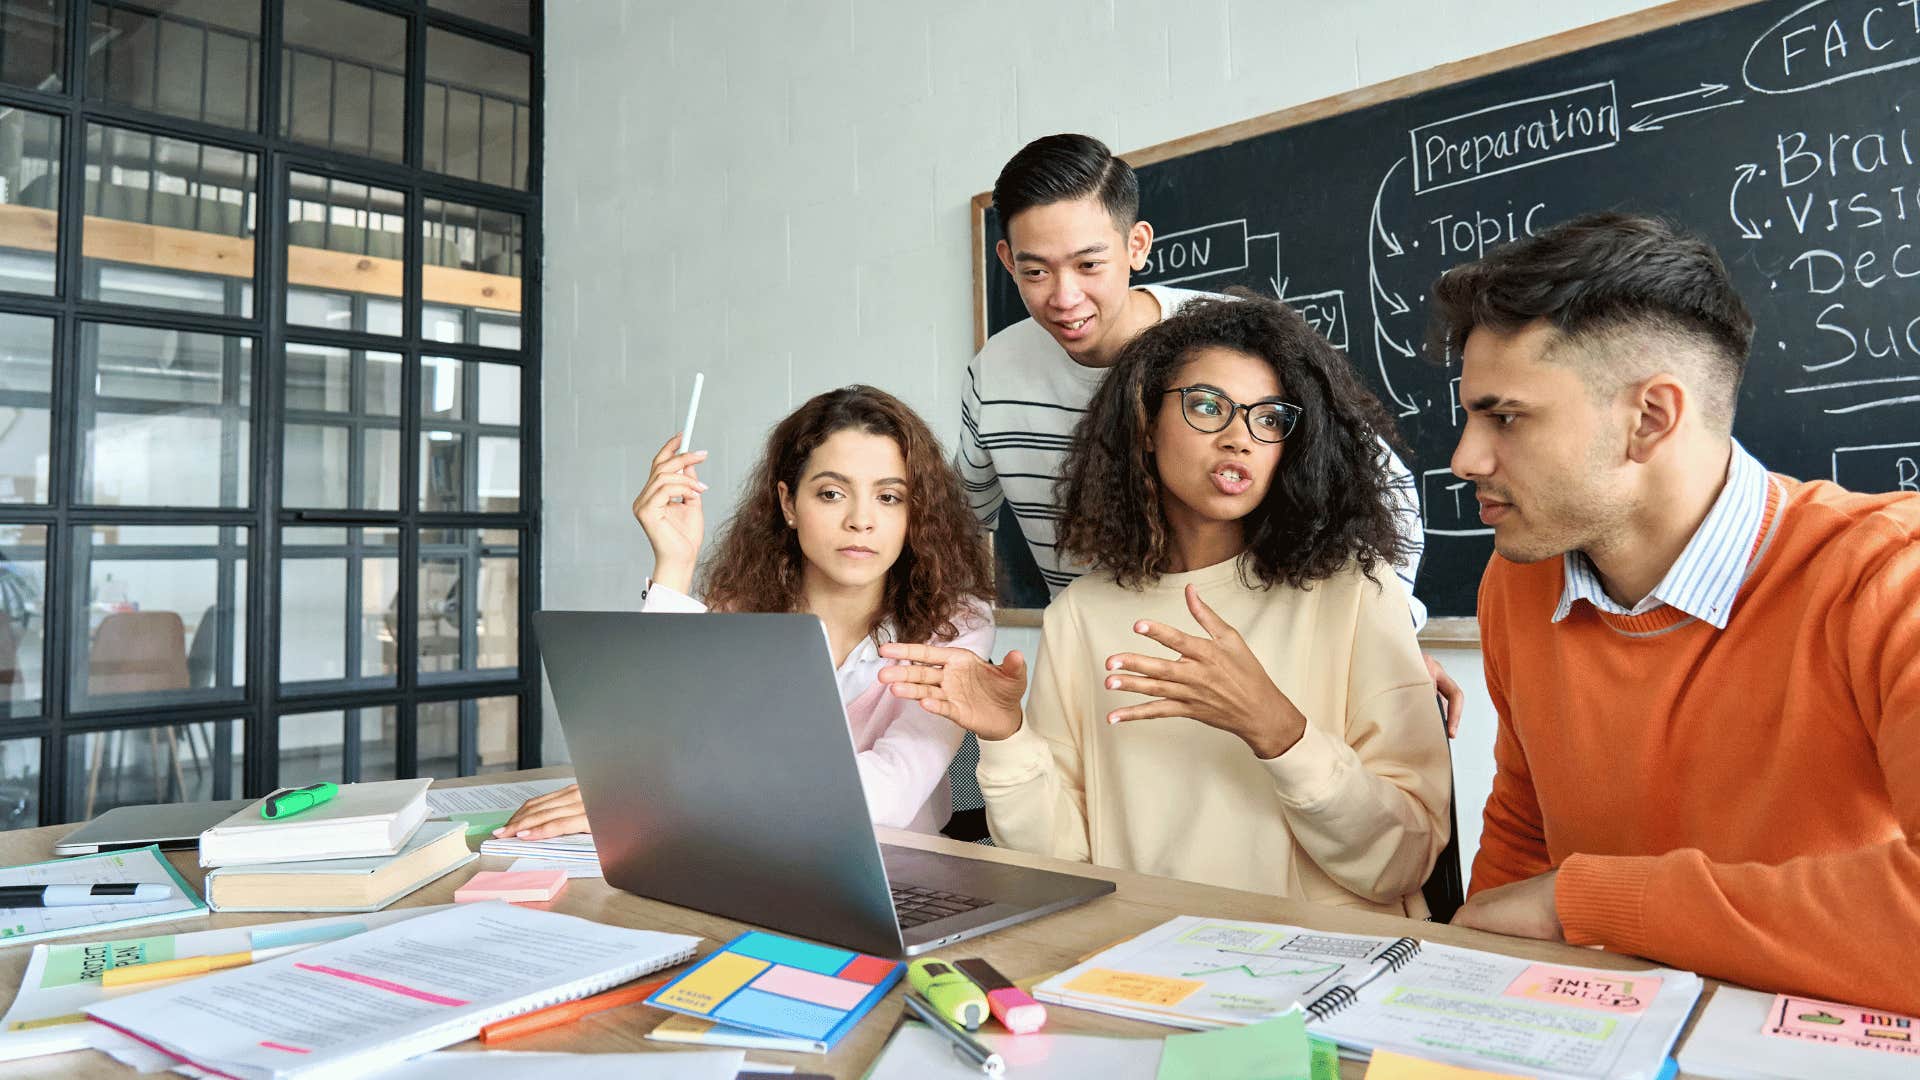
point(1627, 992)
point(1813, 1020)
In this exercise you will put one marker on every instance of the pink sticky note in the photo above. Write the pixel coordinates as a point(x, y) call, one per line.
point(1607, 991)
point(811, 986)
point(514, 886)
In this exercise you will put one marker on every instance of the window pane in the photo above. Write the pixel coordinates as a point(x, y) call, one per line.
point(343, 78)
point(514, 15)
point(179, 213)
point(164, 417)
point(337, 607)
point(26, 394)
point(477, 111)
point(167, 763)
point(350, 747)
point(198, 59)
point(23, 584)
point(159, 614)
point(464, 738)
point(30, 148)
point(470, 435)
point(469, 601)
point(19, 783)
point(344, 253)
point(472, 268)
point(333, 455)
point(35, 38)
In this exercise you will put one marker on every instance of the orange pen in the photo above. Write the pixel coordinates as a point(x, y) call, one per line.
point(566, 1012)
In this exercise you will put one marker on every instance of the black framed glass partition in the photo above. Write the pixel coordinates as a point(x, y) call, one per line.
point(269, 396)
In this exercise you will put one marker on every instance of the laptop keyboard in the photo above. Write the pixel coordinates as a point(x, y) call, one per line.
point(916, 905)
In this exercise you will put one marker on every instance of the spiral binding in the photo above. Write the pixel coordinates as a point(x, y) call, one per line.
point(1399, 954)
point(1392, 958)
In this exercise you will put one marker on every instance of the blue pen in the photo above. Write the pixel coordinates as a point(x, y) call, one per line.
point(1670, 1070)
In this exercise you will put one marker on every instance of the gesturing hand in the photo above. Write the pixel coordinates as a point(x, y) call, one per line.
point(668, 508)
point(1217, 680)
point(976, 694)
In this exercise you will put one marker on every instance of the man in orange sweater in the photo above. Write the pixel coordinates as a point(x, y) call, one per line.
point(1708, 676)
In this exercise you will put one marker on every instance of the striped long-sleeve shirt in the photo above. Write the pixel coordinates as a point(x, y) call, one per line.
point(1024, 395)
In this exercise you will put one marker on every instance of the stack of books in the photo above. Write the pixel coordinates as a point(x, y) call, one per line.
point(361, 850)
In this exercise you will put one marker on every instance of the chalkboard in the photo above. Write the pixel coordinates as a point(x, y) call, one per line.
point(1788, 133)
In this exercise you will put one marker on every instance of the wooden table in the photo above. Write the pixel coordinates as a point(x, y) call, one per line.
point(1039, 947)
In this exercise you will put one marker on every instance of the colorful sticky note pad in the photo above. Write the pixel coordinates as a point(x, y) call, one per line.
point(514, 886)
point(1273, 1049)
point(1387, 1065)
point(1136, 986)
point(777, 986)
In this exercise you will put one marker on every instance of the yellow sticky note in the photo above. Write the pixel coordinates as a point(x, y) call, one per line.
point(1387, 1065)
point(706, 986)
point(1134, 986)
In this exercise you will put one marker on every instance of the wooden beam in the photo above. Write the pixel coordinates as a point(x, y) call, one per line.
point(159, 246)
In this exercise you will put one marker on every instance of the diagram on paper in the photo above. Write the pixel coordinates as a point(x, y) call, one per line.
point(1233, 969)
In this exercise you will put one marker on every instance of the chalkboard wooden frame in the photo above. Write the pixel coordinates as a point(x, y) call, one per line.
point(1447, 632)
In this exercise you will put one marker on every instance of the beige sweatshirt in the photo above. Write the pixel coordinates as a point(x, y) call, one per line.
point(1353, 814)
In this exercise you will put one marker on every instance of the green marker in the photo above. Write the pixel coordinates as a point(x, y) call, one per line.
point(949, 991)
point(288, 803)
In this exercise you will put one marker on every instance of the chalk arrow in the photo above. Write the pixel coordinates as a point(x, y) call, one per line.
point(1403, 349)
point(1747, 229)
point(1703, 91)
point(1396, 304)
point(1379, 227)
point(1654, 123)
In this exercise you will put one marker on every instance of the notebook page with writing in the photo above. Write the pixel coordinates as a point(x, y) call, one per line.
point(352, 1007)
point(1491, 1011)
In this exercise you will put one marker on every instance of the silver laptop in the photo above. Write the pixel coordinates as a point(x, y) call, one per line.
point(716, 764)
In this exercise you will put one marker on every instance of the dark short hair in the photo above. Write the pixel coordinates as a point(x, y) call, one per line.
point(1058, 168)
point(1600, 273)
point(1330, 505)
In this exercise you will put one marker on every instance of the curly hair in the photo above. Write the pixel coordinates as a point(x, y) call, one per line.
point(943, 565)
point(1329, 504)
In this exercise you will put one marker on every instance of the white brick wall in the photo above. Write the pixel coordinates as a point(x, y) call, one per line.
point(777, 194)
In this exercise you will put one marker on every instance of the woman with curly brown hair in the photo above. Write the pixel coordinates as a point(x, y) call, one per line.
point(1234, 695)
point(852, 514)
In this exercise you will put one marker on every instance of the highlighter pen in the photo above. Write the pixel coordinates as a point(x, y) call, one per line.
point(952, 994)
point(1011, 1006)
point(287, 803)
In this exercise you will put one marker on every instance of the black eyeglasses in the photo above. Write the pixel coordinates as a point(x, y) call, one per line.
point(1209, 410)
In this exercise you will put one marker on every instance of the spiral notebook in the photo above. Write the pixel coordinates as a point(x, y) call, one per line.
point(352, 1007)
point(1459, 1006)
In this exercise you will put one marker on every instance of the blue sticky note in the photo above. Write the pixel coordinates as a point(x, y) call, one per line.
point(752, 1008)
point(799, 954)
point(304, 935)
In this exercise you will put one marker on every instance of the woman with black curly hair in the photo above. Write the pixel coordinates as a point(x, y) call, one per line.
point(1234, 695)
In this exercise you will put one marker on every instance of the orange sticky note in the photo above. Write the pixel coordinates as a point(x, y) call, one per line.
point(1135, 986)
point(1387, 1065)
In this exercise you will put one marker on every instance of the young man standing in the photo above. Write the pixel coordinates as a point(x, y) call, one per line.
point(1070, 211)
point(1708, 676)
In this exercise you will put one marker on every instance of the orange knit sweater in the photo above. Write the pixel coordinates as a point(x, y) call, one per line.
point(1745, 802)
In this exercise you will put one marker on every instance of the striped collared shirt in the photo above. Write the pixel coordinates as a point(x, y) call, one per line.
point(1706, 577)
